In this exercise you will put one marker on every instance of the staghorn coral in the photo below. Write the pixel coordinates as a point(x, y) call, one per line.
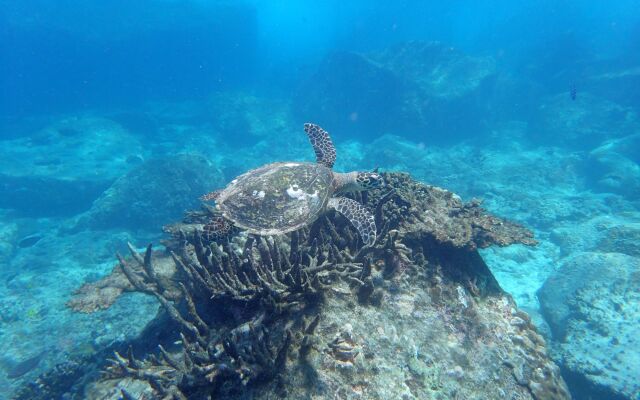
point(270, 276)
point(55, 380)
point(99, 295)
point(246, 307)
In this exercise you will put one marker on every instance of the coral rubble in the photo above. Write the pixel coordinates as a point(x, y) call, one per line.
point(313, 313)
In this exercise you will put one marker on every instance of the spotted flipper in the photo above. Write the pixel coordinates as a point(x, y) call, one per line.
point(217, 228)
point(358, 215)
point(210, 196)
point(322, 144)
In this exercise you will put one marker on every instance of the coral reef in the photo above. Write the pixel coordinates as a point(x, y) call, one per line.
point(443, 215)
point(264, 317)
point(589, 303)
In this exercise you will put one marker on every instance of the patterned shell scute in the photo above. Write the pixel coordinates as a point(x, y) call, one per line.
point(277, 198)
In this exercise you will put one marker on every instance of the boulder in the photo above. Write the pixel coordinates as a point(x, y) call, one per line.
point(419, 90)
point(61, 169)
point(152, 194)
point(8, 235)
point(42, 196)
point(615, 166)
point(351, 95)
point(243, 119)
point(613, 82)
point(592, 305)
point(605, 234)
point(583, 123)
point(439, 71)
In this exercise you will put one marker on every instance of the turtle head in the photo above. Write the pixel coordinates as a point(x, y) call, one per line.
point(369, 180)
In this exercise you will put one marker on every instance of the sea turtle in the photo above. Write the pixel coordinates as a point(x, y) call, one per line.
point(284, 196)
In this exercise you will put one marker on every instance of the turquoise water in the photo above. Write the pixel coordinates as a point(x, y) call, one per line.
point(116, 116)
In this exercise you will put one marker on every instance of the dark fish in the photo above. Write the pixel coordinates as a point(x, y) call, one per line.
point(68, 132)
point(573, 91)
point(29, 241)
point(134, 159)
point(25, 366)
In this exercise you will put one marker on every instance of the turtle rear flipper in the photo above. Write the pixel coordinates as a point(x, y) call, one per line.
point(217, 228)
point(358, 215)
point(322, 144)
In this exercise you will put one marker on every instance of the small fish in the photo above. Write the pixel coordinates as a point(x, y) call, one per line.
point(29, 241)
point(573, 91)
point(21, 368)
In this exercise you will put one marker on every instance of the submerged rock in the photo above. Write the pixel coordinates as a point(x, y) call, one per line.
point(615, 166)
point(61, 169)
point(421, 90)
point(152, 194)
point(601, 234)
point(591, 304)
point(352, 95)
point(8, 235)
point(438, 70)
point(48, 196)
point(314, 314)
point(582, 124)
point(614, 83)
point(243, 119)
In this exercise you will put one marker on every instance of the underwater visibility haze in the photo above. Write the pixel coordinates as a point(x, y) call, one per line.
point(319, 200)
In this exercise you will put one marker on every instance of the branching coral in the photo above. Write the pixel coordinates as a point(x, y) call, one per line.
point(270, 277)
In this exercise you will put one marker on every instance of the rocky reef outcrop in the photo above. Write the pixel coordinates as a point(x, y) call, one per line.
point(615, 165)
point(420, 90)
point(614, 83)
point(591, 304)
point(152, 193)
point(584, 123)
point(315, 314)
point(62, 168)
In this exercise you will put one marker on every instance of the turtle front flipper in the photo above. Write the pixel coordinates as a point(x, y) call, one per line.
point(322, 144)
point(211, 195)
point(358, 215)
point(217, 228)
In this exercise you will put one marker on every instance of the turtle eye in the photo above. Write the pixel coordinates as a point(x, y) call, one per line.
point(375, 179)
point(368, 180)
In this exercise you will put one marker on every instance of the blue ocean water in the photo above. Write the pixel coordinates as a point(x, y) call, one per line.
point(116, 116)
